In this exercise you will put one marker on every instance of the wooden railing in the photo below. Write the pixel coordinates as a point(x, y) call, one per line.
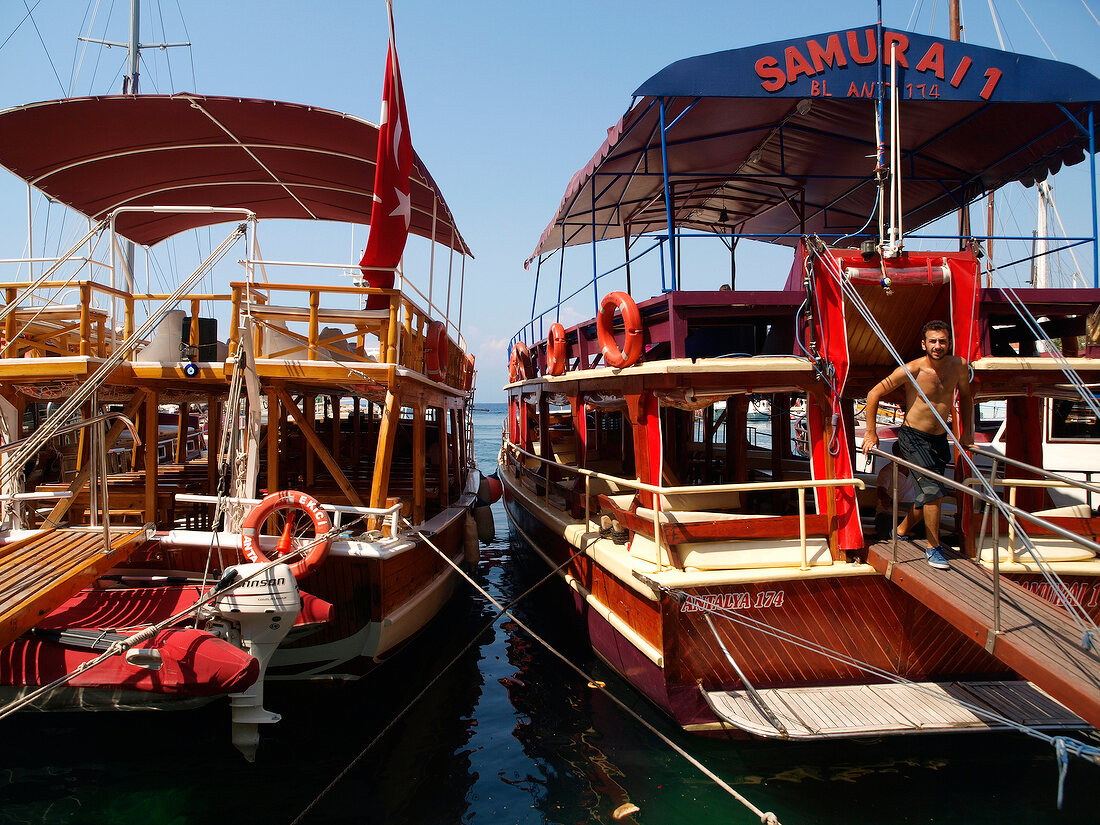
point(51, 328)
point(806, 524)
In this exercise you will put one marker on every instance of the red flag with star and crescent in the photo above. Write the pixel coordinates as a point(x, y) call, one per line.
point(392, 208)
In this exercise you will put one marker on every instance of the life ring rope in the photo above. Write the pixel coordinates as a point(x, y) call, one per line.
point(290, 502)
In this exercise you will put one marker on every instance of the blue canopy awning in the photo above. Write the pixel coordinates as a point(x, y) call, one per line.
point(778, 140)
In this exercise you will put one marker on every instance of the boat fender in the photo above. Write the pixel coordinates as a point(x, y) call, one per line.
point(489, 490)
point(632, 328)
point(473, 552)
point(287, 500)
point(555, 349)
point(520, 365)
point(486, 527)
point(435, 351)
point(618, 534)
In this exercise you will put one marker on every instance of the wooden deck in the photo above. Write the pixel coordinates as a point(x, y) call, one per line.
point(41, 572)
point(844, 711)
point(1038, 639)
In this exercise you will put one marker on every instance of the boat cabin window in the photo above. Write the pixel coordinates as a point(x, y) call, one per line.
point(1072, 420)
point(736, 440)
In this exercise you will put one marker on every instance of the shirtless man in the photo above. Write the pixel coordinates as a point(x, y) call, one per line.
point(923, 440)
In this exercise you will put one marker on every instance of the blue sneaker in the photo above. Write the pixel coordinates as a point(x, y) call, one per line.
point(904, 536)
point(936, 557)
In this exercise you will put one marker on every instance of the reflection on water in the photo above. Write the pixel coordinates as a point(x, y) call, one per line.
point(509, 734)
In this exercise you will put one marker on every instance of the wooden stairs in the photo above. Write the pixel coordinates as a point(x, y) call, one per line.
point(1037, 639)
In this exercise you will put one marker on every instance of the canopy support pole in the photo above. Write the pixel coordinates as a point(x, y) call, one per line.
point(1092, 170)
point(535, 294)
point(595, 271)
point(561, 274)
point(668, 203)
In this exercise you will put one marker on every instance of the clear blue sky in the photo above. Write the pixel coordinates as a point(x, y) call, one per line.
point(506, 99)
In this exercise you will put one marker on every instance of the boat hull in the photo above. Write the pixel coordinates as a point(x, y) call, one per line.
point(781, 630)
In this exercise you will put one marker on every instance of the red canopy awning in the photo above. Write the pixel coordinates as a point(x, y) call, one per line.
point(280, 160)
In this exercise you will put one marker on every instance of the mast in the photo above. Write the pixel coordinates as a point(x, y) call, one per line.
point(954, 26)
point(130, 82)
point(130, 85)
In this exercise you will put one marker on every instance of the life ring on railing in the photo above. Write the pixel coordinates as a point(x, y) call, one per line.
point(520, 365)
point(288, 502)
point(555, 349)
point(632, 328)
point(468, 371)
point(802, 435)
point(435, 351)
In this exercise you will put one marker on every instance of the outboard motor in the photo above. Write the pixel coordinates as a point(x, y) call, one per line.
point(262, 609)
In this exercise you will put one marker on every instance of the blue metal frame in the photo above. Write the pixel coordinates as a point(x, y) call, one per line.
point(686, 81)
point(1092, 175)
point(668, 206)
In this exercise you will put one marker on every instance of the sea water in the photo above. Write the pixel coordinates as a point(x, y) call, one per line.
point(477, 722)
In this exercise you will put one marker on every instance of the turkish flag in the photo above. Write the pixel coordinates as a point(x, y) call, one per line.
point(392, 208)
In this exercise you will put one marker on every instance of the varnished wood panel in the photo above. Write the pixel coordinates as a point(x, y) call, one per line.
point(43, 571)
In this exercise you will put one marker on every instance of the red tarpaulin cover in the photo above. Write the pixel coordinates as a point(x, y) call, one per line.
point(281, 160)
point(831, 334)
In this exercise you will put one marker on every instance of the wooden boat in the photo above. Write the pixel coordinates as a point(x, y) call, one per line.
point(732, 583)
point(336, 411)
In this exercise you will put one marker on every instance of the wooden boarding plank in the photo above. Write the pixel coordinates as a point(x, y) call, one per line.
point(843, 711)
point(35, 561)
point(1038, 639)
point(67, 561)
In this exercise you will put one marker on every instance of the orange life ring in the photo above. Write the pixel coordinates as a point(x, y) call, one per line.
point(435, 350)
point(555, 349)
point(520, 366)
point(284, 500)
point(468, 371)
point(632, 327)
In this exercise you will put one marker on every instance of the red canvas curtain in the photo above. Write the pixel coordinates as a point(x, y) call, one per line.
point(831, 333)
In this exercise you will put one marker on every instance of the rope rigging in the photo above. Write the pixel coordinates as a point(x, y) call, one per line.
point(1063, 745)
point(1084, 622)
point(766, 817)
